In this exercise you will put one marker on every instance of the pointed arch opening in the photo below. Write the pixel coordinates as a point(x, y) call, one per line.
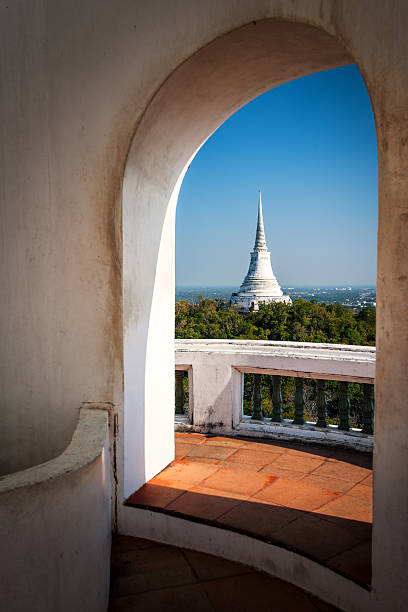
point(194, 101)
point(190, 105)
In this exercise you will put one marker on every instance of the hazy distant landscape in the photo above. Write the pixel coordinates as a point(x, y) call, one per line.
point(351, 297)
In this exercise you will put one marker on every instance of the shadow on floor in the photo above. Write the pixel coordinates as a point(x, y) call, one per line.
point(158, 578)
point(314, 501)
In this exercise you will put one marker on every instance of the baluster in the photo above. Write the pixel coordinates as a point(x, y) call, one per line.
point(299, 402)
point(257, 398)
point(276, 399)
point(344, 406)
point(179, 392)
point(321, 403)
point(368, 410)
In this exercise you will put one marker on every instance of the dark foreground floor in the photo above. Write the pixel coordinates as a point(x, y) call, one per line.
point(151, 577)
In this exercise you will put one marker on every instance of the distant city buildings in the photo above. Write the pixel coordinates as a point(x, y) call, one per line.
point(260, 284)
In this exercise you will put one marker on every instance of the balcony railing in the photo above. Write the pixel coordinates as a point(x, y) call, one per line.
point(312, 392)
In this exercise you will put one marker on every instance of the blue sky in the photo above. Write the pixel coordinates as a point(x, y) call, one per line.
point(310, 146)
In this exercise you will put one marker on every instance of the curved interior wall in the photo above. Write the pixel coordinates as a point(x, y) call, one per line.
point(55, 527)
point(76, 83)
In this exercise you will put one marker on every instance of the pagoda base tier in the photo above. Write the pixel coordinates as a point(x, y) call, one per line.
point(247, 302)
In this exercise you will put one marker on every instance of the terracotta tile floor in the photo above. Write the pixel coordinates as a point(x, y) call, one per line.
point(314, 500)
point(150, 576)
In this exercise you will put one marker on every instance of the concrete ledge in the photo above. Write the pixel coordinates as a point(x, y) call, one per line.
point(331, 436)
point(287, 565)
point(305, 359)
point(307, 434)
point(275, 348)
point(55, 527)
point(231, 344)
point(86, 445)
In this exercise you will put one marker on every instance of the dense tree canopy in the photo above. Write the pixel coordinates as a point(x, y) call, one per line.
point(303, 321)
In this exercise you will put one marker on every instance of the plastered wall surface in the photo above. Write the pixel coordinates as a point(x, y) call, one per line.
point(76, 81)
point(79, 115)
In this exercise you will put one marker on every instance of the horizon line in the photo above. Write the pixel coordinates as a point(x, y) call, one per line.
point(315, 285)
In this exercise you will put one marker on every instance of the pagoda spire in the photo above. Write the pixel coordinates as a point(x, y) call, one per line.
point(260, 284)
point(260, 241)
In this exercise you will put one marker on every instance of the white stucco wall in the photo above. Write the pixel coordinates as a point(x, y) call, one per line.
point(55, 527)
point(76, 81)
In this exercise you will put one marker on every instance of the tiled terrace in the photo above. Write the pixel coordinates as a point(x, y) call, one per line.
point(158, 578)
point(314, 500)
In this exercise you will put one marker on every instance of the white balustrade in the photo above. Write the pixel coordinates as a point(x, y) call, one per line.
point(216, 371)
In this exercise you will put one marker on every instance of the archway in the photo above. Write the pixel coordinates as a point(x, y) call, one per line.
point(204, 91)
point(200, 95)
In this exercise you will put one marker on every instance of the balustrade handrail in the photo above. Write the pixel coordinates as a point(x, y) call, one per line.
point(202, 344)
point(215, 371)
point(311, 360)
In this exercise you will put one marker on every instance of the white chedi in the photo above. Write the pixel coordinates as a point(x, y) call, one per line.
point(260, 284)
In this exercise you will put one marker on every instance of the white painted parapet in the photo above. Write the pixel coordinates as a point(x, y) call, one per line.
point(216, 370)
point(55, 527)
